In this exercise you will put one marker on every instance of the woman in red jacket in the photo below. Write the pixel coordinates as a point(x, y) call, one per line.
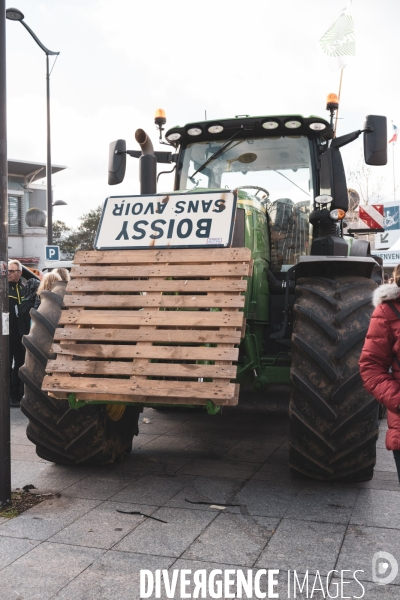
point(380, 358)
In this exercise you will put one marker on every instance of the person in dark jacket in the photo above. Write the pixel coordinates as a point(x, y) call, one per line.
point(380, 358)
point(28, 302)
point(17, 350)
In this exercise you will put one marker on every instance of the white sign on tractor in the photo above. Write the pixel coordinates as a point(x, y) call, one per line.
point(193, 220)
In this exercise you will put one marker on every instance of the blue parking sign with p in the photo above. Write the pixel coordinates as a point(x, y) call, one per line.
point(52, 253)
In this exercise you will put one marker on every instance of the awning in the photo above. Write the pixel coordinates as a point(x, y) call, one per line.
point(31, 170)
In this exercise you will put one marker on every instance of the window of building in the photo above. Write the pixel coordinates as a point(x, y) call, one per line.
point(15, 215)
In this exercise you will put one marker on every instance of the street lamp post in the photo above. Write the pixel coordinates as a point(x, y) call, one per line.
point(14, 14)
point(5, 462)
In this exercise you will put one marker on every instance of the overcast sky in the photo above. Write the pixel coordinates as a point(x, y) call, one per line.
point(122, 59)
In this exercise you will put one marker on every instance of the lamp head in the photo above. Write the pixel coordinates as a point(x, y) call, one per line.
point(14, 14)
point(332, 102)
point(59, 203)
point(160, 117)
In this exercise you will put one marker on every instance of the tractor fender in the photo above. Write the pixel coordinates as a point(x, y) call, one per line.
point(329, 266)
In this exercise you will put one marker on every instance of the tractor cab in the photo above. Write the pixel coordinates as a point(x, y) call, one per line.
point(272, 164)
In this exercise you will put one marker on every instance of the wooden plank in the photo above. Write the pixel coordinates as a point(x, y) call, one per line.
point(235, 400)
point(114, 301)
point(137, 386)
point(225, 345)
point(157, 352)
point(120, 321)
point(141, 362)
point(69, 358)
point(158, 335)
point(159, 256)
point(92, 367)
point(164, 270)
point(87, 397)
point(146, 317)
point(158, 285)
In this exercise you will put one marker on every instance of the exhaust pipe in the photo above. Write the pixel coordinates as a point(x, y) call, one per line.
point(147, 164)
point(144, 141)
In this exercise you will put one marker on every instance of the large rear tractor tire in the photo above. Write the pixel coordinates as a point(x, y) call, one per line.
point(96, 434)
point(334, 422)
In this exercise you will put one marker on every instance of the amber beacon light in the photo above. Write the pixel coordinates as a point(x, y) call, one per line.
point(332, 102)
point(160, 118)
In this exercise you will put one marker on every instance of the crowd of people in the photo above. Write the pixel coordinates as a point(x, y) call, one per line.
point(24, 294)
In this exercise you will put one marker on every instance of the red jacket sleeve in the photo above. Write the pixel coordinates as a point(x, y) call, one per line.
point(376, 360)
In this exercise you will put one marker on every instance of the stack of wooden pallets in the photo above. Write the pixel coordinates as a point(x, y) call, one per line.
point(151, 326)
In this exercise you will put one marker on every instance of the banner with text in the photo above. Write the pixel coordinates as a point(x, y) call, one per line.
point(182, 220)
point(390, 258)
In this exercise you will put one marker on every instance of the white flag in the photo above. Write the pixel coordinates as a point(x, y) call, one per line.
point(339, 41)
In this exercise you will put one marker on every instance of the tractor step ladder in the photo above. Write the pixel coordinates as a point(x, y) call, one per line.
point(151, 326)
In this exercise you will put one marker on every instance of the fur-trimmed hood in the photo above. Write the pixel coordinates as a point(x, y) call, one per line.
point(388, 292)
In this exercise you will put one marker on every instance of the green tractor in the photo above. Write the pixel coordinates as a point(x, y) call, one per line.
point(307, 303)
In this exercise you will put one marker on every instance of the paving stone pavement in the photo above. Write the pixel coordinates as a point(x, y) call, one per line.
point(230, 504)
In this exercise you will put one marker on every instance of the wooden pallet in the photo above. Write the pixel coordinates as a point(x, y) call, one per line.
point(151, 326)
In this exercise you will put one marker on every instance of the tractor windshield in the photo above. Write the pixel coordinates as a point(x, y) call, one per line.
point(279, 170)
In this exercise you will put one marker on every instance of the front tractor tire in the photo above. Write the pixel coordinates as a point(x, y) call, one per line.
point(334, 422)
point(94, 434)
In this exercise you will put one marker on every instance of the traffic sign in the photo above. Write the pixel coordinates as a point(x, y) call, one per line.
point(386, 239)
point(372, 215)
point(52, 252)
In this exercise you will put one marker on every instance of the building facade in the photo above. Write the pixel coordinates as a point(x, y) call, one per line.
point(27, 244)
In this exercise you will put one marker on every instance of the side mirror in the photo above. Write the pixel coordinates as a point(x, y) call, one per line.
point(116, 162)
point(333, 179)
point(375, 140)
